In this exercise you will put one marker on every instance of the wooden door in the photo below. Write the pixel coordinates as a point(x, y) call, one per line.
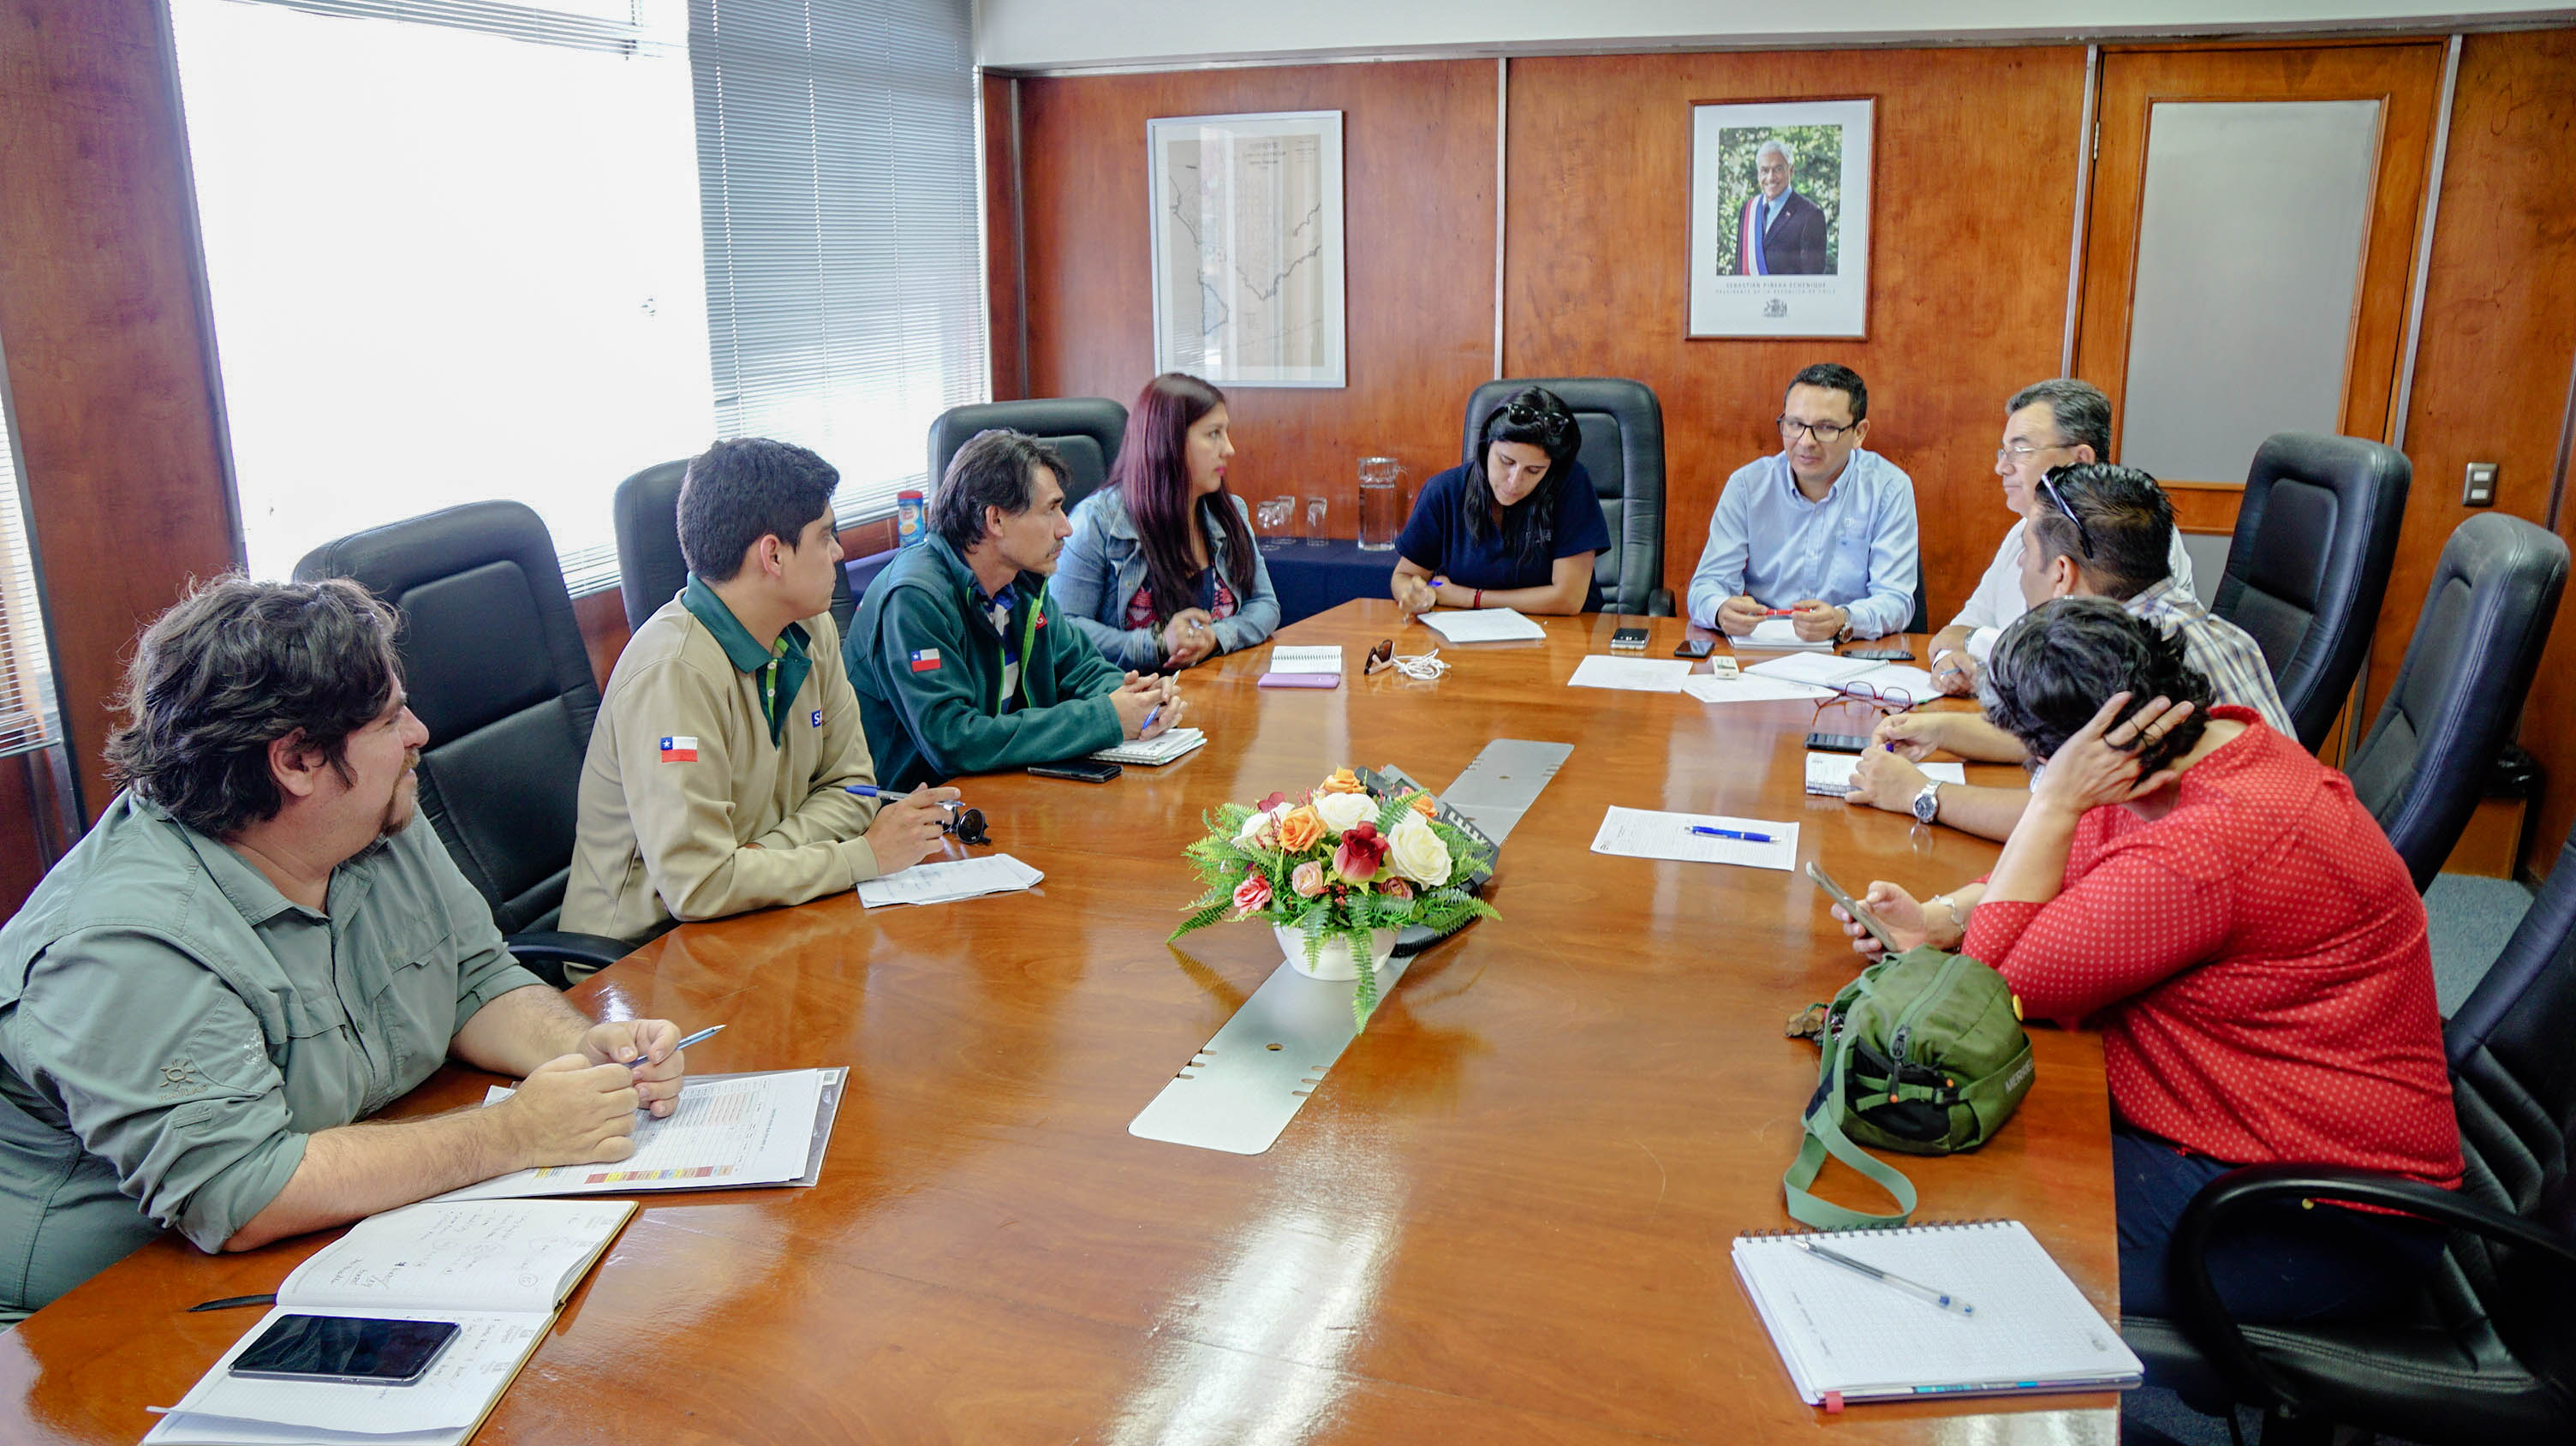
point(2404, 78)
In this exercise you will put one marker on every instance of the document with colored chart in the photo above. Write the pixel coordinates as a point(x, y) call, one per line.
point(730, 1131)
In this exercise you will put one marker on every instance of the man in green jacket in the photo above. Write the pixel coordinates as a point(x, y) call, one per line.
point(717, 774)
point(961, 661)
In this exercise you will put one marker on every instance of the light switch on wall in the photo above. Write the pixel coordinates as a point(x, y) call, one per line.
point(2480, 491)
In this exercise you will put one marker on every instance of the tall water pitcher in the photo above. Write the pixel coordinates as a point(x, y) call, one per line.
point(1381, 508)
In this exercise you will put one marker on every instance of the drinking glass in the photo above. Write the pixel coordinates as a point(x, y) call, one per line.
point(1378, 505)
point(1273, 515)
point(1315, 507)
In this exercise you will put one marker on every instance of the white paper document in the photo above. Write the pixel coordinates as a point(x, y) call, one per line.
point(1482, 625)
point(1774, 634)
point(1635, 675)
point(946, 883)
point(1286, 659)
point(1153, 752)
point(1830, 670)
point(1641, 833)
point(1747, 688)
point(738, 1130)
point(459, 1255)
point(1830, 773)
point(441, 1406)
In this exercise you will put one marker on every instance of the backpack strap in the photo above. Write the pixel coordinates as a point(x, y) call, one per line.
point(1825, 1137)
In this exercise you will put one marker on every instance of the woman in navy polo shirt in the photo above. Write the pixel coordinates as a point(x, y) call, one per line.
point(1516, 528)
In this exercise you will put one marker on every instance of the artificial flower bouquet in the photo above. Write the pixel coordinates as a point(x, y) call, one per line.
point(1337, 863)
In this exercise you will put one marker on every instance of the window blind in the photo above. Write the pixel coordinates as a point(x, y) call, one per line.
point(837, 175)
point(453, 254)
point(27, 720)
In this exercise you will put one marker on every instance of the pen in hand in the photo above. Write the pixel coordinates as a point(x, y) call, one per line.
point(864, 790)
point(1706, 832)
point(645, 1058)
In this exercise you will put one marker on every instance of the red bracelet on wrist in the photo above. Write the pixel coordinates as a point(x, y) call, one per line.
point(1480, 597)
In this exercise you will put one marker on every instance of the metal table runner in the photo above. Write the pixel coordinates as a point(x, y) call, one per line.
point(1243, 1087)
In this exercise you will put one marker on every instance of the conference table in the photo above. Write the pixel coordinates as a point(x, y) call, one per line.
point(1504, 1216)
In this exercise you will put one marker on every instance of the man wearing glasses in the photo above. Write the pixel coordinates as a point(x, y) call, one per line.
point(1822, 532)
point(2057, 423)
point(2093, 531)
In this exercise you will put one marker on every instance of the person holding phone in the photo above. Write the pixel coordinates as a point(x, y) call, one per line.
point(962, 661)
point(254, 948)
point(2213, 900)
point(1161, 572)
point(1516, 526)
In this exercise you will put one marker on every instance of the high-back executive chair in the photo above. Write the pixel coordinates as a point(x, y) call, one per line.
point(498, 674)
point(2458, 693)
point(650, 569)
point(2486, 1356)
point(2308, 567)
point(1087, 430)
point(1622, 425)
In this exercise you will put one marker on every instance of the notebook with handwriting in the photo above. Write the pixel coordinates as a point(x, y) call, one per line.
point(1847, 1337)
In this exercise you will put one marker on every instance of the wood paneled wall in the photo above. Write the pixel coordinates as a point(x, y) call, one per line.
point(1973, 211)
point(109, 365)
point(2491, 374)
point(1418, 186)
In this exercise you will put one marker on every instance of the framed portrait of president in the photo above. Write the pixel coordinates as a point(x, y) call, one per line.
point(1779, 219)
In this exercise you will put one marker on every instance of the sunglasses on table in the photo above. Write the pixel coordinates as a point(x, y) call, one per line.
point(967, 826)
point(1381, 656)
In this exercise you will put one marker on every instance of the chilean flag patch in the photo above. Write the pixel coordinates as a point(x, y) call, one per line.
point(679, 750)
point(926, 661)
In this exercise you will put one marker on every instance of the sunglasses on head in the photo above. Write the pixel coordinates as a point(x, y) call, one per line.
point(2057, 499)
point(1547, 419)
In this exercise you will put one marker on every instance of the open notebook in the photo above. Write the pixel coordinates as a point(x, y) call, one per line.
point(1846, 1336)
point(499, 1269)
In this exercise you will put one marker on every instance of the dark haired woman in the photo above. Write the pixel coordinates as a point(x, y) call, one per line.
point(2217, 904)
point(1160, 571)
point(1517, 527)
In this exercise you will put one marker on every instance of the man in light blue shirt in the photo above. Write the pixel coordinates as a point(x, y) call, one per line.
point(1822, 530)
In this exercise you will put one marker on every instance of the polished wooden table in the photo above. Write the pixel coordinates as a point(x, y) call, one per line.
point(1504, 1217)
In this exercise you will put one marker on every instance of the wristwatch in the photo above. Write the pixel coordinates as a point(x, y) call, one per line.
point(1927, 804)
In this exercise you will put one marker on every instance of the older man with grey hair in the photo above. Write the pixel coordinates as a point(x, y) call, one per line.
point(2056, 423)
point(1780, 232)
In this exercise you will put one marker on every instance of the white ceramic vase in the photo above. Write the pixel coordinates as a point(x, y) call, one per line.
point(1336, 961)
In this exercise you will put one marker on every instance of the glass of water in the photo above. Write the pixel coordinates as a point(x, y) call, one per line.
point(1315, 507)
point(1273, 516)
point(1378, 520)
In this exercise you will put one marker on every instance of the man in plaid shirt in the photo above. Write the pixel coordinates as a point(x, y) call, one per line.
point(2095, 531)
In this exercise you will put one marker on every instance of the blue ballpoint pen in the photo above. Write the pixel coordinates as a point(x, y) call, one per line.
point(864, 790)
point(1706, 831)
point(641, 1060)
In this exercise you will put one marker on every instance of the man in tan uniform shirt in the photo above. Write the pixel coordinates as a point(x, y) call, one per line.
point(717, 771)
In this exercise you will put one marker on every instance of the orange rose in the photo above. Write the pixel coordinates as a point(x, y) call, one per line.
point(1423, 805)
point(1299, 829)
point(1343, 781)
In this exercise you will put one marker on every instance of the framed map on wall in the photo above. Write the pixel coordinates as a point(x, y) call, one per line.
point(1779, 221)
point(1247, 247)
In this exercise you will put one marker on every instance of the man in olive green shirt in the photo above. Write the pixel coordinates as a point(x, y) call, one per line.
point(718, 770)
point(250, 952)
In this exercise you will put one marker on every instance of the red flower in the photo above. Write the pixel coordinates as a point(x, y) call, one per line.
point(1267, 804)
point(1252, 895)
point(1397, 888)
point(1361, 852)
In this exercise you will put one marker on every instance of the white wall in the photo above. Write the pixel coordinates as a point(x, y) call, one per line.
point(1040, 34)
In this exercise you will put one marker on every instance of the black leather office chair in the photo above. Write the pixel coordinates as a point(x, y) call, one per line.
point(650, 569)
point(1087, 430)
point(1623, 449)
point(497, 672)
point(2487, 1355)
point(2458, 693)
point(2308, 567)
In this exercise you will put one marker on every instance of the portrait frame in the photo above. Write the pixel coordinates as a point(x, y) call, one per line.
point(1798, 268)
point(1263, 190)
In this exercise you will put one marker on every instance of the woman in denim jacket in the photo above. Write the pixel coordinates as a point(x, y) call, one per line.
point(1161, 571)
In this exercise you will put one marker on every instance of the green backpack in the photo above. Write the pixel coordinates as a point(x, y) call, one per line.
point(1923, 1053)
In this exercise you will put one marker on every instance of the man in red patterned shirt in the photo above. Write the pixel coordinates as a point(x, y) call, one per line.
point(2215, 902)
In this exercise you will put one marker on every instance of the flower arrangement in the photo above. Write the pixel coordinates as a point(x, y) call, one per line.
point(1336, 862)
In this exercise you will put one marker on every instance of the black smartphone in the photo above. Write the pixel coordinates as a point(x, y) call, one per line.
point(1081, 770)
point(360, 1350)
point(1821, 742)
point(1631, 638)
point(1695, 648)
point(1881, 655)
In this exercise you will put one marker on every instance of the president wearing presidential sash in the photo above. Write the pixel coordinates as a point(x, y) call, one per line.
point(1779, 232)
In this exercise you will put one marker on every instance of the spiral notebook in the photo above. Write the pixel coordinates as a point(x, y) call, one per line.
point(1156, 751)
point(1847, 1337)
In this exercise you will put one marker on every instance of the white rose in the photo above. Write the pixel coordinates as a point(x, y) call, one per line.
point(1259, 831)
point(1415, 851)
point(1341, 810)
